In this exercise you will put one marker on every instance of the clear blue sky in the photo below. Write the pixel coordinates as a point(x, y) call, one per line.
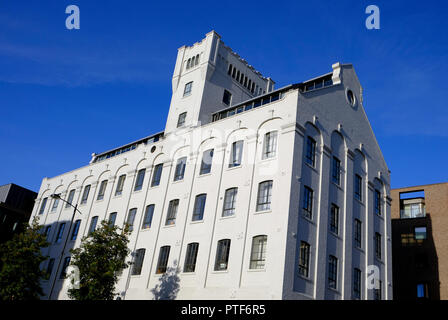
point(67, 93)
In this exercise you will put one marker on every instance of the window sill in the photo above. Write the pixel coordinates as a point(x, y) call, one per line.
point(307, 279)
point(134, 276)
point(178, 181)
point(99, 200)
point(359, 201)
point(359, 249)
point(337, 186)
point(310, 220)
point(145, 229)
point(186, 273)
point(334, 234)
point(169, 226)
point(234, 167)
point(204, 174)
point(196, 221)
point(220, 271)
point(227, 217)
point(334, 290)
point(263, 211)
point(380, 216)
point(137, 191)
point(257, 270)
point(274, 158)
point(117, 195)
point(311, 167)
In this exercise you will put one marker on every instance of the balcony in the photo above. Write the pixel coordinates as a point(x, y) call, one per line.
point(412, 208)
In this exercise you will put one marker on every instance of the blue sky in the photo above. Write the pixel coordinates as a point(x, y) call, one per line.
point(67, 93)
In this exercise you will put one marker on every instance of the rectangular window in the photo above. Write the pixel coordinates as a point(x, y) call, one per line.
point(199, 207)
point(191, 256)
point(336, 171)
point(71, 195)
point(138, 262)
point(258, 254)
point(180, 169)
point(172, 212)
point(358, 233)
point(93, 223)
point(334, 218)
point(420, 233)
point(377, 292)
point(378, 245)
point(75, 230)
point(162, 263)
point(264, 196)
point(358, 187)
point(49, 269)
point(270, 145)
point(188, 88)
point(131, 218)
point(42, 206)
point(356, 283)
point(181, 119)
point(102, 190)
point(157, 175)
point(237, 153)
point(60, 232)
point(229, 202)
point(139, 180)
point(55, 204)
point(308, 202)
point(64, 268)
point(85, 194)
point(148, 217)
point(332, 272)
point(304, 259)
point(47, 232)
point(206, 164)
point(227, 97)
point(310, 151)
point(112, 218)
point(377, 202)
point(422, 290)
point(120, 185)
point(222, 255)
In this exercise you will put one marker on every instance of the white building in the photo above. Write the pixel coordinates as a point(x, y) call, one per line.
point(294, 205)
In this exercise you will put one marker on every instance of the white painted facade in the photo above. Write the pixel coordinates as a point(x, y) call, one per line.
point(323, 113)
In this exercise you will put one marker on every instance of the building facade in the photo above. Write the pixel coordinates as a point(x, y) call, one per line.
point(420, 242)
point(250, 192)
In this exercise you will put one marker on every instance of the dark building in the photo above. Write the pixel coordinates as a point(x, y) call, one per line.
point(420, 242)
point(16, 205)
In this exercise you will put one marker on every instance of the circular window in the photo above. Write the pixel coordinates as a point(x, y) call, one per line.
point(153, 149)
point(351, 98)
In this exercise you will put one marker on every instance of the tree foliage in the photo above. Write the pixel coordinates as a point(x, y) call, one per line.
point(100, 259)
point(20, 260)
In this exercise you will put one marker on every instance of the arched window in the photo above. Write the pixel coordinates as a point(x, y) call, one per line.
point(188, 63)
point(229, 72)
point(258, 254)
point(197, 60)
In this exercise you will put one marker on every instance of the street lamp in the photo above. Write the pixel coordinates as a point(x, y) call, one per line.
point(75, 208)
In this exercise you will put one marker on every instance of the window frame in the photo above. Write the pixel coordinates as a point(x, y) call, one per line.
point(304, 259)
point(147, 224)
point(137, 264)
point(258, 258)
point(120, 185)
point(206, 167)
point(222, 255)
point(264, 196)
point(171, 215)
point(310, 155)
point(232, 194)
point(270, 145)
point(191, 257)
point(236, 154)
point(162, 262)
point(179, 172)
point(332, 272)
point(199, 207)
point(188, 89)
point(307, 203)
point(157, 175)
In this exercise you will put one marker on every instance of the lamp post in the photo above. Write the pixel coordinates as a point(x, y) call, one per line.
point(75, 208)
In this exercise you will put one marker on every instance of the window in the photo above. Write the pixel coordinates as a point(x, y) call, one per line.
point(270, 145)
point(420, 233)
point(227, 97)
point(304, 259)
point(64, 268)
point(180, 169)
point(93, 223)
point(139, 180)
point(356, 283)
point(422, 290)
point(310, 151)
point(163, 259)
point(229, 202)
point(181, 119)
point(75, 230)
point(237, 152)
point(47, 232)
point(60, 232)
point(85, 194)
point(172, 212)
point(206, 164)
point(222, 255)
point(378, 245)
point(258, 254)
point(358, 233)
point(138, 262)
point(191, 256)
point(71, 195)
point(377, 202)
point(120, 185)
point(264, 196)
point(55, 204)
point(377, 292)
point(131, 218)
point(229, 71)
point(148, 217)
point(42, 206)
point(157, 175)
point(308, 202)
point(334, 218)
point(332, 272)
point(102, 190)
point(199, 206)
point(358, 187)
point(112, 218)
point(336, 171)
point(188, 87)
point(49, 269)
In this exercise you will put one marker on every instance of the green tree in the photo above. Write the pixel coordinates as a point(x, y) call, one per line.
point(100, 258)
point(20, 260)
